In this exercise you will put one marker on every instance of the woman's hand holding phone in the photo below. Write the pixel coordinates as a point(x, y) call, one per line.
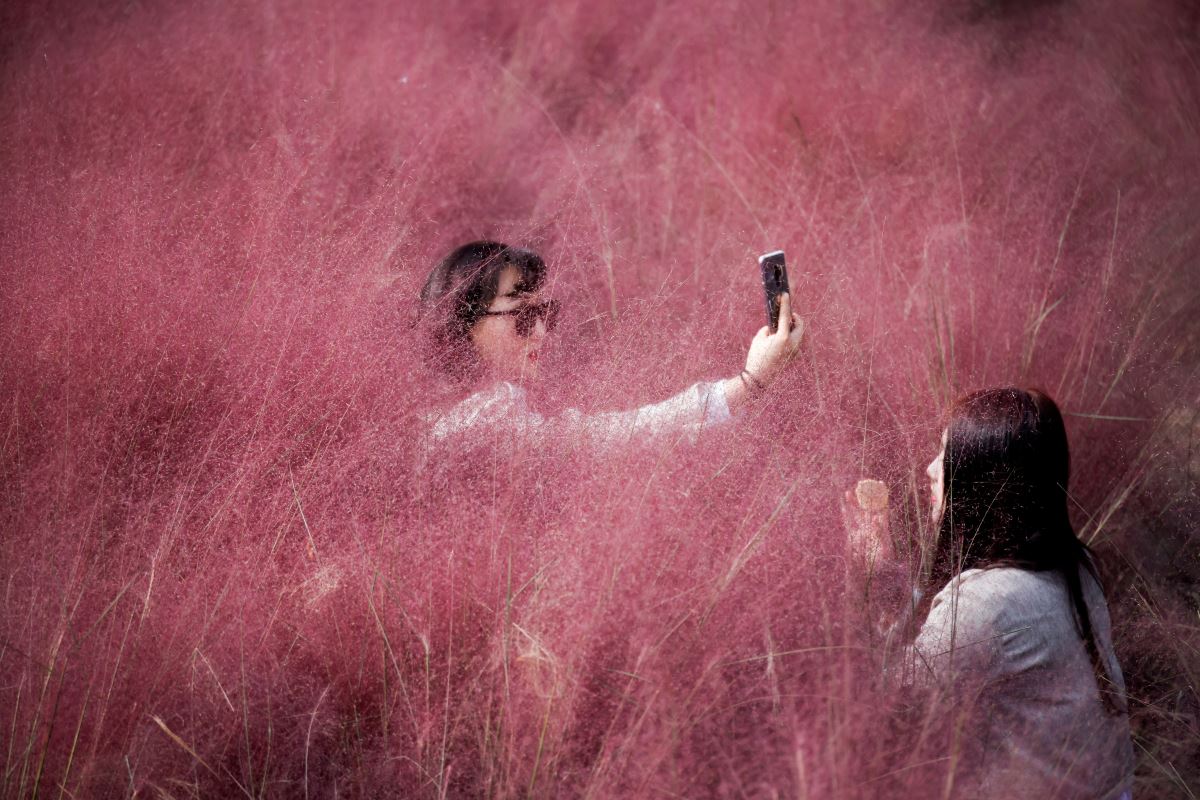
point(770, 352)
point(768, 357)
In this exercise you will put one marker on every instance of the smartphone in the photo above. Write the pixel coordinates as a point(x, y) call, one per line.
point(775, 283)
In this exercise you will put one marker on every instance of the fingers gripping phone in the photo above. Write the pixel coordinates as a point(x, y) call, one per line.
point(775, 283)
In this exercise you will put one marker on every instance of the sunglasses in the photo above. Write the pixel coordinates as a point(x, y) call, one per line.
point(526, 316)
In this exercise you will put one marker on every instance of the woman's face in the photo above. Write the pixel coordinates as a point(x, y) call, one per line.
point(507, 354)
point(937, 488)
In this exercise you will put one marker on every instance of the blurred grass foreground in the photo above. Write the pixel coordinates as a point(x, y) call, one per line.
point(229, 569)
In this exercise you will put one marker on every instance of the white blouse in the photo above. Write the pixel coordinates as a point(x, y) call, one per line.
point(504, 408)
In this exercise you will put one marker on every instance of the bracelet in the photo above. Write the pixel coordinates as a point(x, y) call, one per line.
point(747, 375)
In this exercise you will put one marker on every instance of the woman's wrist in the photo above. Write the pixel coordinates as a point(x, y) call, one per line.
point(742, 387)
point(737, 392)
point(751, 382)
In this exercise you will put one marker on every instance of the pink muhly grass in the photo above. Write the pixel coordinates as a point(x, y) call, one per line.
point(228, 569)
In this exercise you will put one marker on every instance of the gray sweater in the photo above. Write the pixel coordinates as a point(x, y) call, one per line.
point(1006, 641)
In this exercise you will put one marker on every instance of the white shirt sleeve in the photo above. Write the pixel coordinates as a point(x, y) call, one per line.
point(505, 408)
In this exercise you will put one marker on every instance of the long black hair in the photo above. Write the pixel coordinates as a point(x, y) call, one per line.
point(1005, 485)
point(460, 288)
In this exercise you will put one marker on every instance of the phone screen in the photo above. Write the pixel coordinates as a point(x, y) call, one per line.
point(775, 283)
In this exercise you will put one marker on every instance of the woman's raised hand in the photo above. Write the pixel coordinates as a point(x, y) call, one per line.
point(770, 352)
point(865, 517)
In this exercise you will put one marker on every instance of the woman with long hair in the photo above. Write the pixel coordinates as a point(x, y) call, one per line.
point(487, 319)
point(1017, 624)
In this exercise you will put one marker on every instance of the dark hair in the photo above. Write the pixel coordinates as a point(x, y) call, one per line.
point(462, 287)
point(1005, 477)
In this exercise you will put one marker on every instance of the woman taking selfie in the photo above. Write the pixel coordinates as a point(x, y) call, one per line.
point(489, 320)
point(1018, 624)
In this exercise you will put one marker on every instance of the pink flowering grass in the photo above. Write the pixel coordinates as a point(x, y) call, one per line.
point(230, 570)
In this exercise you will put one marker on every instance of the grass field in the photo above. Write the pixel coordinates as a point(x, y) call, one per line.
point(228, 569)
